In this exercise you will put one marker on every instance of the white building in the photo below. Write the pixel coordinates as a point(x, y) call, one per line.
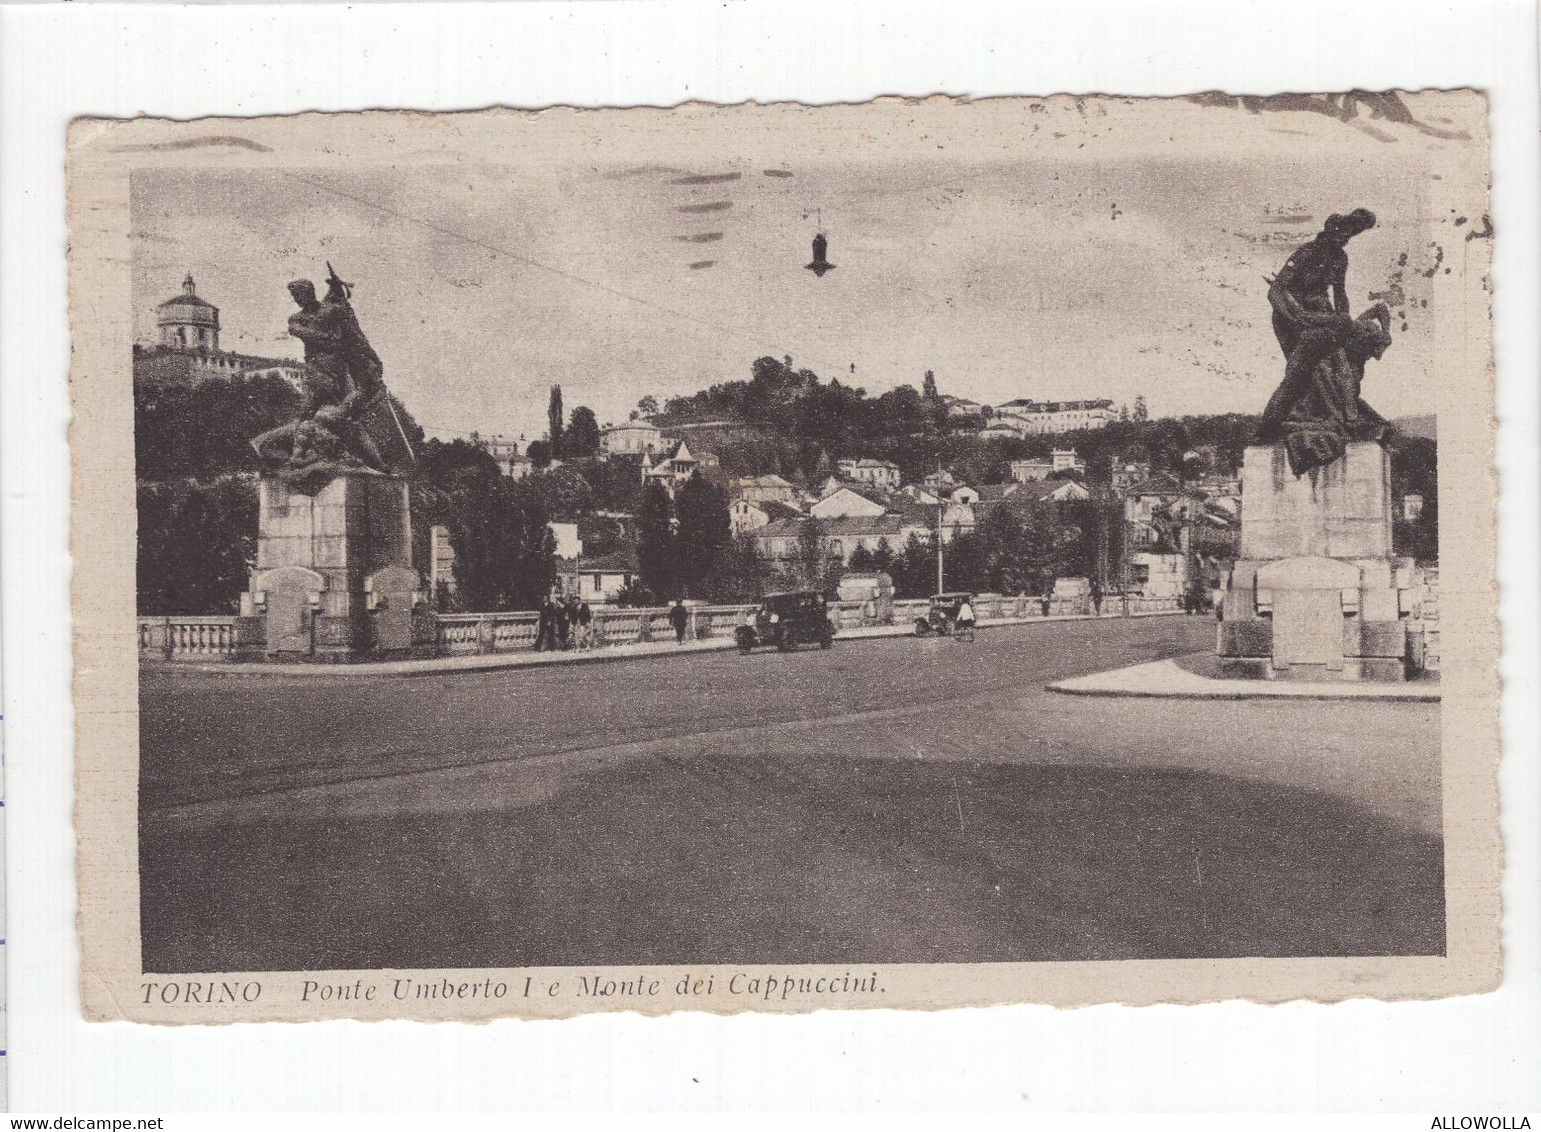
point(505, 450)
point(1003, 428)
point(1031, 471)
point(961, 409)
point(1039, 418)
point(637, 437)
point(601, 580)
point(187, 346)
point(568, 544)
point(441, 562)
point(1066, 460)
point(883, 473)
point(845, 502)
point(751, 514)
point(1155, 574)
point(675, 465)
point(765, 489)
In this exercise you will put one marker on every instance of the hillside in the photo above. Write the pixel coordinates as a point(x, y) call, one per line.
point(786, 420)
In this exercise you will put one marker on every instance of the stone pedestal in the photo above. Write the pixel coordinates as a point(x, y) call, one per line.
point(334, 577)
point(1316, 593)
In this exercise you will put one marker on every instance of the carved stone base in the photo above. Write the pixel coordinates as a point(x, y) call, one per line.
point(1317, 594)
point(334, 578)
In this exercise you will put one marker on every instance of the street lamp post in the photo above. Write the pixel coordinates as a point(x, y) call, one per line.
point(940, 585)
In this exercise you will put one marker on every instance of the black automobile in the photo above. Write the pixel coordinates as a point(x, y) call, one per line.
point(787, 620)
point(942, 615)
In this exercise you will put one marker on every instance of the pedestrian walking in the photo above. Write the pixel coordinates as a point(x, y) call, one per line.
point(545, 630)
point(562, 621)
point(1096, 600)
point(965, 621)
point(1043, 602)
point(584, 618)
point(679, 617)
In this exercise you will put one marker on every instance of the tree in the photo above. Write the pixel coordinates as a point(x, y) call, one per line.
point(810, 553)
point(505, 554)
point(554, 421)
point(861, 559)
point(655, 541)
point(540, 454)
point(740, 574)
point(532, 560)
point(928, 388)
point(617, 482)
point(648, 406)
point(197, 542)
point(204, 428)
point(1141, 411)
point(582, 437)
point(636, 596)
point(1021, 545)
point(823, 468)
point(914, 571)
point(702, 536)
point(562, 493)
point(963, 564)
point(883, 557)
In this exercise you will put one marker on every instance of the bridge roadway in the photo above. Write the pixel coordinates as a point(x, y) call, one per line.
point(892, 800)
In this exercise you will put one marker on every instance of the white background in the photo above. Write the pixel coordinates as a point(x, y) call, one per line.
point(60, 61)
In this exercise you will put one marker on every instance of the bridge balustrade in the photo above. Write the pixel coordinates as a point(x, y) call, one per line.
point(456, 634)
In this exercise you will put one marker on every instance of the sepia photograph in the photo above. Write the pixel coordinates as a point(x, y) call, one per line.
point(780, 558)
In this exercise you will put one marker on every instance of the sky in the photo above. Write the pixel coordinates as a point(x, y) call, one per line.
point(1030, 266)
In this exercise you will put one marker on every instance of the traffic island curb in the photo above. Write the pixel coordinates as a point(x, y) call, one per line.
point(1168, 679)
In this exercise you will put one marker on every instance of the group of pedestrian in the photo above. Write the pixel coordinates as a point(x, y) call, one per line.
point(564, 623)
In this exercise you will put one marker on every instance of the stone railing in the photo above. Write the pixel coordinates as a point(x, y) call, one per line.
point(188, 638)
point(461, 634)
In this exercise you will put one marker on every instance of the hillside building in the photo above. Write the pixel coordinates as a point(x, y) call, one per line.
point(1041, 418)
point(636, 437)
point(187, 346)
point(882, 473)
point(1034, 470)
point(1067, 460)
point(676, 464)
point(764, 489)
point(750, 514)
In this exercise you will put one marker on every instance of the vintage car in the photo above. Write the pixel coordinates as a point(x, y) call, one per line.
point(787, 620)
point(942, 616)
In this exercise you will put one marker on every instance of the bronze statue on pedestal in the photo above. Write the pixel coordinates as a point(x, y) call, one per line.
point(347, 422)
point(1317, 409)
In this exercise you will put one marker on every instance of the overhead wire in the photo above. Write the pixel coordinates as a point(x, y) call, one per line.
point(746, 334)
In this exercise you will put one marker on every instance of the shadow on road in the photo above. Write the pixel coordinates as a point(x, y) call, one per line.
point(724, 859)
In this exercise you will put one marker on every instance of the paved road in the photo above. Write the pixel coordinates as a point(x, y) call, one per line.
point(887, 801)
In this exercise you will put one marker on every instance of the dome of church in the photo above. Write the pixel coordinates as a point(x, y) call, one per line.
point(188, 322)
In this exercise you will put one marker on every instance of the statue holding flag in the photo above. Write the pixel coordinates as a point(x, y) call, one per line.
point(347, 422)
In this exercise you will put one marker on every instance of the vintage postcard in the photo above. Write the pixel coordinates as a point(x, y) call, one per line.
point(906, 555)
